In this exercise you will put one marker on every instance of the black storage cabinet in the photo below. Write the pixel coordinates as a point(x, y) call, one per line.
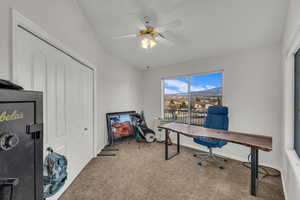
point(21, 145)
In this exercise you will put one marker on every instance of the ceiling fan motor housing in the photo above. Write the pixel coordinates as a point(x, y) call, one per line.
point(149, 31)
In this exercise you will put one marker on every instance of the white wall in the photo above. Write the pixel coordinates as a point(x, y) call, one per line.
point(63, 20)
point(291, 162)
point(122, 86)
point(252, 91)
point(122, 89)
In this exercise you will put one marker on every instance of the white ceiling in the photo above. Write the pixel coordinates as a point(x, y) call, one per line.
point(210, 27)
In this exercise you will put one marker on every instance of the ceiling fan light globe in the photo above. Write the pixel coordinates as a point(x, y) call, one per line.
point(145, 46)
point(145, 43)
point(152, 43)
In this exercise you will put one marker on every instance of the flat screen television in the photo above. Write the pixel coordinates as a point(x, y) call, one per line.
point(119, 125)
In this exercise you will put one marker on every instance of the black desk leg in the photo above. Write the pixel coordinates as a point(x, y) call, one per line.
point(166, 144)
point(178, 143)
point(167, 157)
point(254, 170)
point(256, 164)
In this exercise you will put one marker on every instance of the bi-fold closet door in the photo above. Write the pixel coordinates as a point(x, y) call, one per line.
point(68, 97)
point(79, 90)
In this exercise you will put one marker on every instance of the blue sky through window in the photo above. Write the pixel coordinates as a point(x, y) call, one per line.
point(198, 83)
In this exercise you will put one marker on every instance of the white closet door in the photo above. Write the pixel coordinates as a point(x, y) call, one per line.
point(88, 111)
point(41, 67)
point(78, 110)
point(67, 86)
point(57, 136)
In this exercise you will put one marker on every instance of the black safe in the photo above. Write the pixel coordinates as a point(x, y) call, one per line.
point(21, 145)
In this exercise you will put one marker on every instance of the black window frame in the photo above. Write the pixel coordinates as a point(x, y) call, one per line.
point(296, 143)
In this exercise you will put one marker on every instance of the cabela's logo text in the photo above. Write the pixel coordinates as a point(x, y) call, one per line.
point(4, 116)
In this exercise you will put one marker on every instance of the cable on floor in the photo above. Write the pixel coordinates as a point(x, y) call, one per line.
point(264, 170)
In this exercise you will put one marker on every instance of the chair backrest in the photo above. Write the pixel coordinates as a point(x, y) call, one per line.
point(217, 118)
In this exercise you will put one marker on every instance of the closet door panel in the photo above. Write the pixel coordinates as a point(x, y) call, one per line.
point(74, 116)
point(22, 73)
point(80, 139)
point(39, 71)
point(87, 112)
point(39, 80)
point(60, 101)
point(55, 108)
point(51, 103)
point(67, 88)
point(30, 67)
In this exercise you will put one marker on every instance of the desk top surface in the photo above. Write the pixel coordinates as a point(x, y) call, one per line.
point(260, 142)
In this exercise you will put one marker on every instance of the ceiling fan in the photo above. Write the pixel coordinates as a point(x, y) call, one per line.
point(152, 34)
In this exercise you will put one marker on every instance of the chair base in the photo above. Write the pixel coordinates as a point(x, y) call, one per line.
point(204, 156)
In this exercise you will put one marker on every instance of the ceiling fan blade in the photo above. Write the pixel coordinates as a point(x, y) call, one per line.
point(174, 38)
point(145, 14)
point(176, 24)
point(161, 39)
point(126, 36)
point(140, 22)
point(144, 20)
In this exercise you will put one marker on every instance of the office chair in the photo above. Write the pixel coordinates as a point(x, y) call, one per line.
point(217, 118)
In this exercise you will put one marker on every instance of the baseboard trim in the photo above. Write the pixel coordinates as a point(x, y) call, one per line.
point(284, 187)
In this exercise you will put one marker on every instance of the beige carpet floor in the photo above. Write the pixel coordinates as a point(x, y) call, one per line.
point(139, 172)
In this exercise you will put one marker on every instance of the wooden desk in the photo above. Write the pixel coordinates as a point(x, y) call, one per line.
point(255, 142)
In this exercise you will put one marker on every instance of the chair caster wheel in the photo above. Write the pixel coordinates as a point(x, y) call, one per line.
point(199, 163)
point(221, 167)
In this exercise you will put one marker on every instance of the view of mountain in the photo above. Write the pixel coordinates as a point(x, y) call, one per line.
point(205, 90)
point(213, 92)
point(209, 92)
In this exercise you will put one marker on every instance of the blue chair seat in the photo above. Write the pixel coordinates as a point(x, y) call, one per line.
point(210, 143)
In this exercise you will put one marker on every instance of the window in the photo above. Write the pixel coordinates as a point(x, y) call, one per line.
point(187, 98)
point(297, 104)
